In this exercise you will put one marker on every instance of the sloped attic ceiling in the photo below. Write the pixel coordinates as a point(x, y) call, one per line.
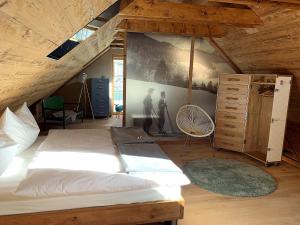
point(271, 48)
point(30, 30)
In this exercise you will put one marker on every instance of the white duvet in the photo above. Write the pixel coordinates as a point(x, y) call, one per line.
point(72, 162)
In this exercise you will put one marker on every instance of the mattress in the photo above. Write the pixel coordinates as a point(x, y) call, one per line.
point(10, 203)
point(129, 135)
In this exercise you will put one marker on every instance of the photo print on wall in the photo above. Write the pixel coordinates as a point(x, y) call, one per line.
point(157, 79)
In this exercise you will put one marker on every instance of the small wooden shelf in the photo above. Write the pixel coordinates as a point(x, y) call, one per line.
point(257, 155)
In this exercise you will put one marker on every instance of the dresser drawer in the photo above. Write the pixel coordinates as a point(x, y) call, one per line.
point(231, 126)
point(228, 144)
point(232, 108)
point(231, 117)
point(237, 134)
point(230, 139)
point(232, 98)
point(233, 89)
point(239, 79)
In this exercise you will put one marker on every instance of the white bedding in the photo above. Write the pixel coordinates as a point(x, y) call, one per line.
point(131, 189)
point(80, 149)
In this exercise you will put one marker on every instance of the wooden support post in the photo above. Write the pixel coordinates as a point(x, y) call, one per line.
point(189, 100)
point(124, 78)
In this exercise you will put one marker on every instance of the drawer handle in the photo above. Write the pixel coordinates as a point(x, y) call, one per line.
point(230, 126)
point(229, 107)
point(233, 89)
point(230, 117)
point(232, 98)
point(234, 79)
point(229, 135)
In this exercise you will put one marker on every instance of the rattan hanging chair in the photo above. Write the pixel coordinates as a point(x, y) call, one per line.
point(194, 121)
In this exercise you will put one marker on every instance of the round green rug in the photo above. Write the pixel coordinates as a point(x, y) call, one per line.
point(230, 177)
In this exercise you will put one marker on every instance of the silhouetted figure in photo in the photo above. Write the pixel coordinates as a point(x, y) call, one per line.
point(161, 112)
point(148, 107)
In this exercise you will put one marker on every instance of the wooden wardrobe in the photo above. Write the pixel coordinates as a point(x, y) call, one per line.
point(251, 114)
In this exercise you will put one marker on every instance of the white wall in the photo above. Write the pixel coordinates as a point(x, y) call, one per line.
point(102, 67)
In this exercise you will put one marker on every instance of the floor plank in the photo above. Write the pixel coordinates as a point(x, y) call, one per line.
point(204, 207)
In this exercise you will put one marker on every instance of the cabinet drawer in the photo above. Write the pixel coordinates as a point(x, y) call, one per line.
point(232, 98)
point(231, 117)
point(232, 108)
point(231, 126)
point(230, 134)
point(233, 89)
point(239, 79)
point(227, 144)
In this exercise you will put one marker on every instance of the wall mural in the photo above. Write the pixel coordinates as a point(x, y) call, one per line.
point(157, 79)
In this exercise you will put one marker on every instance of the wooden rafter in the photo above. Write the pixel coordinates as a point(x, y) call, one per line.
point(264, 3)
point(225, 55)
point(189, 13)
point(101, 19)
point(119, 35)
point(125, 3)
point(185, 29)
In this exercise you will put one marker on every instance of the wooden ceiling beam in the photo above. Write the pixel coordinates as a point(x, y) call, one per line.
point(189, 13)
point(145, 26)
point(118, 41)
point(263, 3)
point(101, 19)
point(119, 35)
point(125, 3)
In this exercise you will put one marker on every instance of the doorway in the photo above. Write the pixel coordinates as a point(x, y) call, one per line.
point(118, 70)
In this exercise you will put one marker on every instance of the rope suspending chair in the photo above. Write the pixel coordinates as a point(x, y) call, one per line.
point(194, 122)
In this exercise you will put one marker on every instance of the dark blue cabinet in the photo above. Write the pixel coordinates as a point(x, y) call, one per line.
point(100, 96)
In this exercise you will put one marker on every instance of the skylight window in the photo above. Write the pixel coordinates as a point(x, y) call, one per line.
point(83, 34)
point(67, 46)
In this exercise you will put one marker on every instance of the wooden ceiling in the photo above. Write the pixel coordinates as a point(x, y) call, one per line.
point(259, 36)
point(30, 30)
point(271, 48)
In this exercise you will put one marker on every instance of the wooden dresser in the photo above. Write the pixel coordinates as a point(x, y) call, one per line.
point(251, 114)
point(231, 113)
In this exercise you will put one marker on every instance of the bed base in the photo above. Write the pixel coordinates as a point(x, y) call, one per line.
point(139, 213)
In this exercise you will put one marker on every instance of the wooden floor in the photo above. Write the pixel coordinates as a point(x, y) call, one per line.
point(206, 208)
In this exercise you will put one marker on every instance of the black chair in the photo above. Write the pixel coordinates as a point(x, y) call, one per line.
point(54, 111)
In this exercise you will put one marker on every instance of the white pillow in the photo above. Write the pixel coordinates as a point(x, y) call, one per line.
point(41, 183)
point(24, 113)
point(5, 140)
point(20, 127)
point(8, 149)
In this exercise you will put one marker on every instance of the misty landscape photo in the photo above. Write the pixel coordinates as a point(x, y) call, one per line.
point(165, 60)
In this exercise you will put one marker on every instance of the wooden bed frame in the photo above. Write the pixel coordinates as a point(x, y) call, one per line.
point(138, 213)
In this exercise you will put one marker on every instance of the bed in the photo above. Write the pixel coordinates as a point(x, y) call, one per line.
point(128, 204)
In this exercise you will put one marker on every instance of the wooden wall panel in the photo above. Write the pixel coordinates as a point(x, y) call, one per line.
point(30, 30)
point(273, 47)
